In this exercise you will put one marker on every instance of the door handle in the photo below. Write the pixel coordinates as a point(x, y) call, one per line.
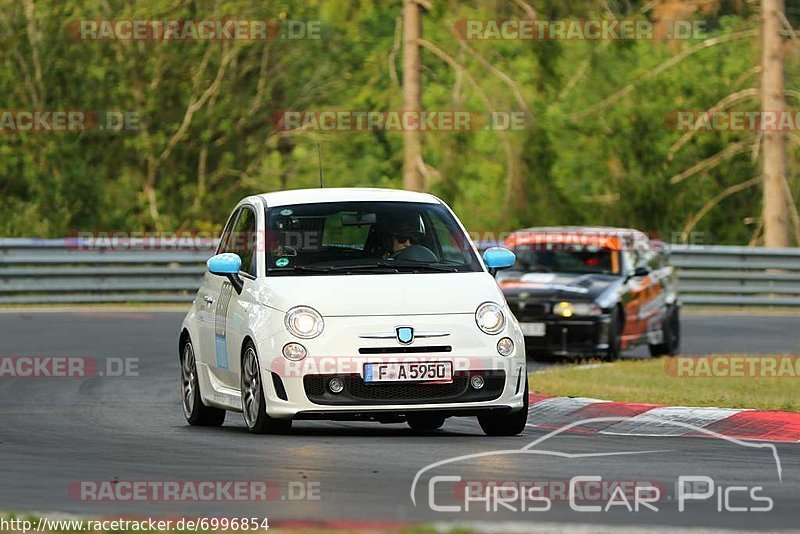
point(209, 299)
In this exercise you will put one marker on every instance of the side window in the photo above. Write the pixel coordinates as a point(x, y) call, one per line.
point(244, 240)
point(225, 241)
point(452, 250)
point(628, 256)
point(643, 256)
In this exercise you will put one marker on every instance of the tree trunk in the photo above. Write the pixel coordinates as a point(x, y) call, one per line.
point(776, 200)
point(412, 94)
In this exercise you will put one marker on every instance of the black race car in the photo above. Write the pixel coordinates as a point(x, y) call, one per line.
point(592, 292)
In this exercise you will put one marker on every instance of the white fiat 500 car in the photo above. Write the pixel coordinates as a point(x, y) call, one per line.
point(352, 304)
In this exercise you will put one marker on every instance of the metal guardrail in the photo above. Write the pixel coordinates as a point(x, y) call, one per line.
point(64, 271)
point(738, 276)
point(47, 271)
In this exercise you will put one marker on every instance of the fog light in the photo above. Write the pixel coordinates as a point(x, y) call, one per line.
point(476, 381)
point(294, 352)
point(336, 385)
point(505, 346)
point(564, 309)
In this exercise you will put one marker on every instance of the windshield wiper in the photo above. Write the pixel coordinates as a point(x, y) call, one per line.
point(299, 268)
point(395, 267)
point(425, 267)
point(378, 267)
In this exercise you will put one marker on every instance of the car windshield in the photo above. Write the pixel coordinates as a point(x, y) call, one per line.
point(566, 258)
point(366, 238)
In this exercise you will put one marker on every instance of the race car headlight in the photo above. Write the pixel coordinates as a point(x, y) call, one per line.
point(582, 309)
point(490, 318)
point(304, 322)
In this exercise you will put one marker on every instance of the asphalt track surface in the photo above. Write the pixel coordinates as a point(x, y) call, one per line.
point(56, 431)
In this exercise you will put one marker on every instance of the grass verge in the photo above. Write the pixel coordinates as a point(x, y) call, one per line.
point(654, 381)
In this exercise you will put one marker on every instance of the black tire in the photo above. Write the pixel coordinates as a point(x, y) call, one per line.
point(195, 412)
point(254, 405)
point(508, 424)
point(615, 328)
point(425, 422)
point(671, 330)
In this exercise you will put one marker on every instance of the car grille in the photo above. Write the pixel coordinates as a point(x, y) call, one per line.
point(404, 350)
point(529, 310)
point(356, 391)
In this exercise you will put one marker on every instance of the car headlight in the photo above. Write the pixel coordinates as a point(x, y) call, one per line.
point(490, 318)
point(304, 322)
point(582, 309)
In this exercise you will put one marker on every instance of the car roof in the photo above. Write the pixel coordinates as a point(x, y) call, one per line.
point(341, 194)
point(604, 236)
point(578, 230)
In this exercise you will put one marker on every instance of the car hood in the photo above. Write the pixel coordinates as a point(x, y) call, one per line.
point(566, 286)
point(382, 294)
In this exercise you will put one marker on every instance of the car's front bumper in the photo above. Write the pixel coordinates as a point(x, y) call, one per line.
point(290, 396)
point(563, 336)
point(301, 389)
point(571, 337)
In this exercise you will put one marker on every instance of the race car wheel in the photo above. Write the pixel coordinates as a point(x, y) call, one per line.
point(509, 424)
point(254, 406)
point(427, 422)
point(195, 412)
point(615, 336)
point(671, 332)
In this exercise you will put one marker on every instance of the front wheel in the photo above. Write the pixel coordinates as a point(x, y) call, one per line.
point(254, 406)
point(425, 422)
point(508, 424)
point(195, 412)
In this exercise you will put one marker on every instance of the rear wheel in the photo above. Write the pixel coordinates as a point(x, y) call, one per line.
point(195, 412)
point(508, 424)
point(671, 335)
point(425, 422)
point(254, 406)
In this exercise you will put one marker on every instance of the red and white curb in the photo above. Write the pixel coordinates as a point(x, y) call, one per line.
point(552, 413)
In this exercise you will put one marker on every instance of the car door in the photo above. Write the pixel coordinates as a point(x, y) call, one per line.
point(212, 305)
point(652, 294)
point(632, 296)
point(237, 309)
point(643, 315)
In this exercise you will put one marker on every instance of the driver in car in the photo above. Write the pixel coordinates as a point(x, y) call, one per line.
point(402, 234)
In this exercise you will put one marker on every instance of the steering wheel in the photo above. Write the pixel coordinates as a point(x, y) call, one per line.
point(417, 253)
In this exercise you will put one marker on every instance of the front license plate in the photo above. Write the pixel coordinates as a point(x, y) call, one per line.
point(408, 372)
point(532, 329)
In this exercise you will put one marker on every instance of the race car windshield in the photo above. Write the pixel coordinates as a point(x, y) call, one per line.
point(365, 238)
point(567, 258)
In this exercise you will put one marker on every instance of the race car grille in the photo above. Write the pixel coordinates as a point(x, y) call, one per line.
point(356, 391)
point(529, 310)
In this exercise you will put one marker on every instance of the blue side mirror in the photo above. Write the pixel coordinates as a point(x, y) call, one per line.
point(224, 264)
point(497, 258)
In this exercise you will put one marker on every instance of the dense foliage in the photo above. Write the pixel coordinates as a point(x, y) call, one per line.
point(595, 149)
